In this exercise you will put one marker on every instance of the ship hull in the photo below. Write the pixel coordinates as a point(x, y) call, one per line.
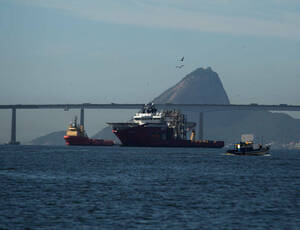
point(255, 152)
point(158, 137)
point(83, 141)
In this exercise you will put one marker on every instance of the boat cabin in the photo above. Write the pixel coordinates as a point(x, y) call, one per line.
point(246, 146)
point(75, 130)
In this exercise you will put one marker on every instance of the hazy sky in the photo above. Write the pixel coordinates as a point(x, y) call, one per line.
point(125, 51)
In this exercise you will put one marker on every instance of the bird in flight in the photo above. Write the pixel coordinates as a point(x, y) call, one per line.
point(182, 59)
point(179, 66)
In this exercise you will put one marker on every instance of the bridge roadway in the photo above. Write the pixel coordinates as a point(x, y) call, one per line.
point(201, 108)
point(187, 107)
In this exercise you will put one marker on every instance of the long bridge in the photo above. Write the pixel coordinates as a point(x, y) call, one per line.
point(200, 108)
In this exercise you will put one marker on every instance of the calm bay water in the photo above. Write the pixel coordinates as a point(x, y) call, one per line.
point(147, 188)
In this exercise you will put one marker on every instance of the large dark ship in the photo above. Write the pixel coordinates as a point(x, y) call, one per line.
point(168, 128)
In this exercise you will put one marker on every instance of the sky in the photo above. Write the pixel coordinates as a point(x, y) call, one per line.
point(125, 51)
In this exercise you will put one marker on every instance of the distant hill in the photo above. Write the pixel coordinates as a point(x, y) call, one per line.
point(106, 134)
point(276, 128)
point(55, 138)
point(203, 86)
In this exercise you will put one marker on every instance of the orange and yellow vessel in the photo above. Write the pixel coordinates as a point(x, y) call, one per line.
point(76, 135)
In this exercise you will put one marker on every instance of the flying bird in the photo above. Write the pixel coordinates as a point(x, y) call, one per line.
point(182, 59)
point(179, 66)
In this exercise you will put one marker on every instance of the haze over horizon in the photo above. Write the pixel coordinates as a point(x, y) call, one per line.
point(59, 51)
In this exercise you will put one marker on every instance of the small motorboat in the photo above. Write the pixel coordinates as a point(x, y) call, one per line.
point(246, 147)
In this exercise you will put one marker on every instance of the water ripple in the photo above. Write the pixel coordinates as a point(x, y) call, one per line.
point(146, 188)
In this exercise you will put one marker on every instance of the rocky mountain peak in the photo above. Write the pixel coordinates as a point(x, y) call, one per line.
point(202, 86)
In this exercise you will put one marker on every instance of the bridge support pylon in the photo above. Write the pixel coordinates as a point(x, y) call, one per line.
point(201, 126)
point(13, 140)
point(82, 117)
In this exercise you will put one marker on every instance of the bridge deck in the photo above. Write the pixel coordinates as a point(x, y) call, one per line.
point(192, 107)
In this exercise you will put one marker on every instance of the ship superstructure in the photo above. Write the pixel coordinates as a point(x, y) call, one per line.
point(166, 128)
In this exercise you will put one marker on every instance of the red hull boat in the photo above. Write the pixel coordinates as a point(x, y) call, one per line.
point(76, 136)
